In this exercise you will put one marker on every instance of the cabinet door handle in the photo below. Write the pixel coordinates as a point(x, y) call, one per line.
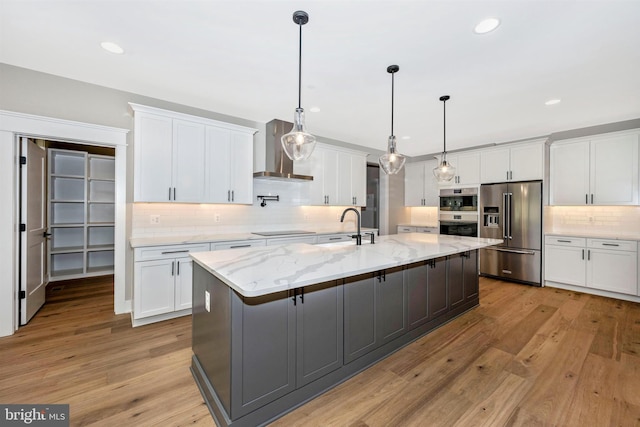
point(591, 198)
point(233, 196)
point(586, 199)
point(583, 254)
point(169, 193)
point(610, 244)
point(295, 294)
point(174, 252)
point(174, 193)
point(301, 295)
point(507, 175)
point(228, 195)
point(173, 268)
point(177, 268)
point(588, 254)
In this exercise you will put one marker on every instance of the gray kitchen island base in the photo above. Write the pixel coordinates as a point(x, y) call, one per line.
point(255, 359)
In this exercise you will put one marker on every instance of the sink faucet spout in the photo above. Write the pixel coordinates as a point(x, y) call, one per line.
point(358, 236)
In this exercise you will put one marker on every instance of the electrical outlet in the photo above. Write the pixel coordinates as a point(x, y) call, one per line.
point(154, 219)
point(207, 301)
point(216, 217)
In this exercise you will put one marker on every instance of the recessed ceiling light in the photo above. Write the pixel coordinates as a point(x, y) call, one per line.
point(486, 25)
point(552, 102)
point(314, 109)
point(112, 47)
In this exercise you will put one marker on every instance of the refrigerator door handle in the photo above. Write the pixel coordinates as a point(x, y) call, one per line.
point(505, 214)
point(510, 202)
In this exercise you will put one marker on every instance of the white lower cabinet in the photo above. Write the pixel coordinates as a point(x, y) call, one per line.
point(599, 264)
point(162, 282)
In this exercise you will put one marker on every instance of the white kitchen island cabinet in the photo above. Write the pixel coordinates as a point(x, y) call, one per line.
point(599, 170)
point(276, 326)
point(189, 159)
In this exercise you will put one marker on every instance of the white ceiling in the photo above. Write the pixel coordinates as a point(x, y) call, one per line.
point(239, 58)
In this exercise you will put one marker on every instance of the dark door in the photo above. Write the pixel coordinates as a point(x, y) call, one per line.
point(359, 316)
point(417, 302)
point(319, 331)
point(263, 351)
point(390, 305)
point(455, 280)
point(437, 287)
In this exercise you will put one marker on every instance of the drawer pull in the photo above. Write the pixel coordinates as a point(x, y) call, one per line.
point(610, 244)
point(335, 238)
point(564, 241)
point(239, 246)
point(175, 252)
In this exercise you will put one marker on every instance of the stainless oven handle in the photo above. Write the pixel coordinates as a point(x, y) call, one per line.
point(513, 251)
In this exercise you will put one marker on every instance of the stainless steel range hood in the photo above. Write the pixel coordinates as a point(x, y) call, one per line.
point(278, 165)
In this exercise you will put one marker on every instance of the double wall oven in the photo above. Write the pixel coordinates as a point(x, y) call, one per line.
point(458, 212)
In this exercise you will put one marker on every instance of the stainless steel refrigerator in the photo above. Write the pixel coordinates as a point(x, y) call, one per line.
point(512, 212)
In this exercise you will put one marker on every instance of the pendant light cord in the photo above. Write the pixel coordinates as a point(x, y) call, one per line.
point(392, 89)
point(300, 68)
point(444, 107)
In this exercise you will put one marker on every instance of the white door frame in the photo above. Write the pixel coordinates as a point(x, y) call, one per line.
point(13, 124)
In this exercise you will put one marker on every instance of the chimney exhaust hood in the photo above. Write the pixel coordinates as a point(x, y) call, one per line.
point(279, 166)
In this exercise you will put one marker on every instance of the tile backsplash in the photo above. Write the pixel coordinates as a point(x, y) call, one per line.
point(424, 215)
point(288, 213)
point(615, 220)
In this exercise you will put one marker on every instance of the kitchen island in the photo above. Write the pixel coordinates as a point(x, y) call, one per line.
point(274, 327)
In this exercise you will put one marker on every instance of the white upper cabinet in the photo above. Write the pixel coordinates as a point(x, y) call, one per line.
point(339, 176)
point(230, 156)
point(189, 162)
point(420, 185)
point(600, 170)
point(467, 166)
point(153, 149)
point(183, 158)
point(519, 162)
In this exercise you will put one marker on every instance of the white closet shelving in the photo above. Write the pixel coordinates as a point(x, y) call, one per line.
point(81, 214)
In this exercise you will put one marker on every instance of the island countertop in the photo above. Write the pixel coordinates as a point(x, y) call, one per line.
point(260, 271)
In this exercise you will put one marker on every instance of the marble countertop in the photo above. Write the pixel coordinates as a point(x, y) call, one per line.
point(597, 235)
point(259, 271)
point(138, 242)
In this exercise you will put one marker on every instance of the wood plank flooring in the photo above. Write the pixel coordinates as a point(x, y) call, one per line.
point(526, 357)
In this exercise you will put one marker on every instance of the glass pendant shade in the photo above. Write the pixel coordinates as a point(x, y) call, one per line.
point(445, 171)
point(298, 144)
point(392, 162)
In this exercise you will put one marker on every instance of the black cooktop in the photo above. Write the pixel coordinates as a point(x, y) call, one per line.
point(282, 232)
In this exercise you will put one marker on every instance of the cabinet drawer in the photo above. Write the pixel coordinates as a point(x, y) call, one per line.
point(168, 251)
point(312, 240)
point(565, 241)
point(614, 245)
point(431, 230)
point(332, 238)
point(238, 244)
point(406, 229)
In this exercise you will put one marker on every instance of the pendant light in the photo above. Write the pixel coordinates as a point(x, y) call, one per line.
point(299, 144)
point(445, 170)
point(392, 162)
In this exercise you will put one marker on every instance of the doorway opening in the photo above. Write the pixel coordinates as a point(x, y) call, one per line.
point(67, 216)
point(371, 212)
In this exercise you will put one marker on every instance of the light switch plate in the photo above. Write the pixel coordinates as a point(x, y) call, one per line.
point(207, 301)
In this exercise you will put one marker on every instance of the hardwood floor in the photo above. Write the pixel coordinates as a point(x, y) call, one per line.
point(526, 357)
